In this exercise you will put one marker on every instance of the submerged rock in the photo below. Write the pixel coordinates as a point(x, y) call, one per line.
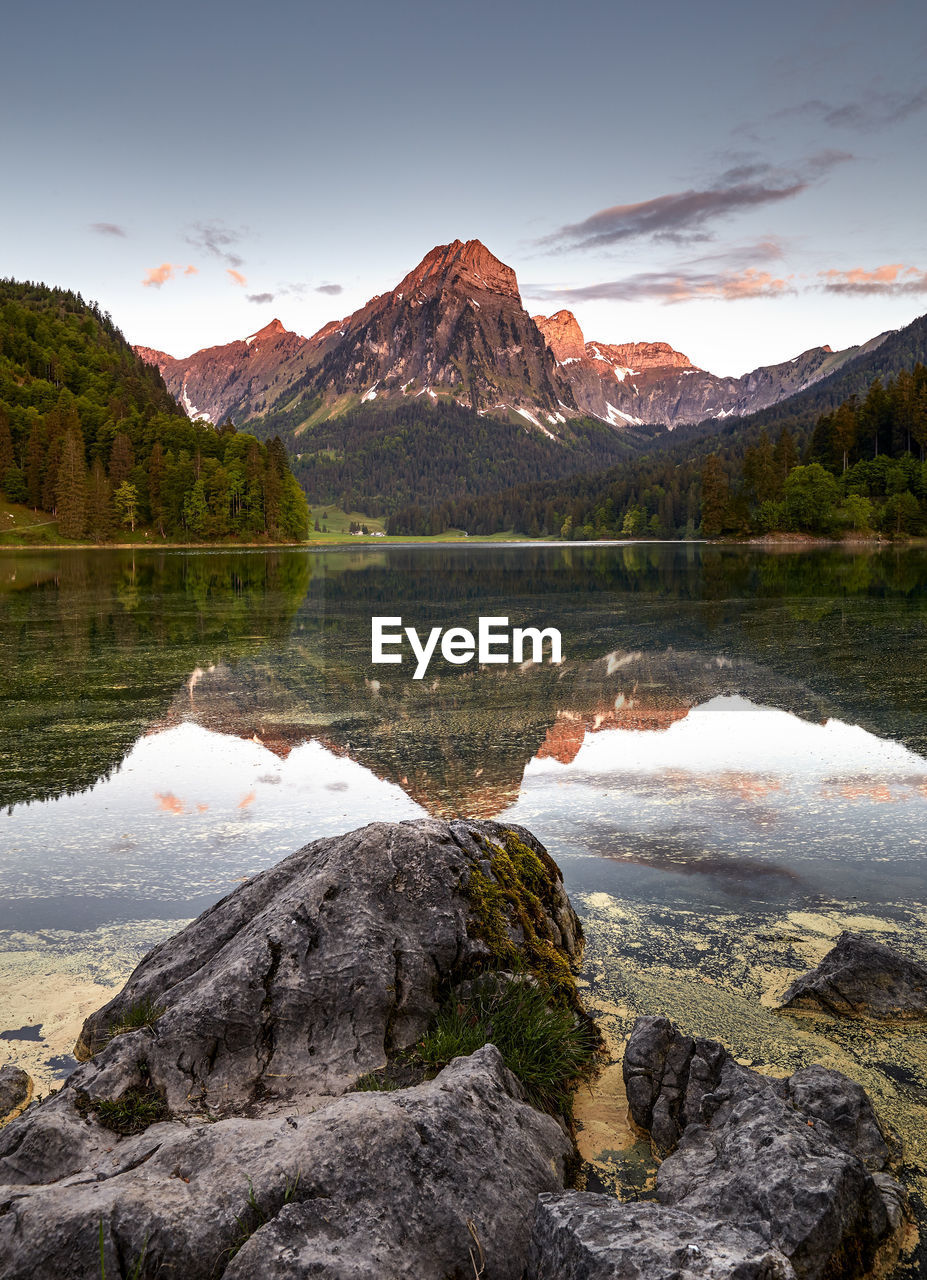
point(15, 1089)
point(860, 978)
point(215, 1128)
point(796, 1162)
point(579, 1236)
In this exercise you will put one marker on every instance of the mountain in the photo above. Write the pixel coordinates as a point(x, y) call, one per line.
point(455, 324)
point(238, 380)
point(649, 382)
point(454, 329)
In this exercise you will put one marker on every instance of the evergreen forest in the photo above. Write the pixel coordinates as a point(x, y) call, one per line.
point(91, 439)
point(858, 468)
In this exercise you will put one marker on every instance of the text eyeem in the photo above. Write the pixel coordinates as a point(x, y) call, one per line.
point(493, 642)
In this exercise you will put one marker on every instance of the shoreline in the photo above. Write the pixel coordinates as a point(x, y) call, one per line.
point(772, 542)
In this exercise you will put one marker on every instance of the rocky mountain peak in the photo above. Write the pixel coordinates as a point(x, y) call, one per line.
point(563, 335)
point(459, 266)
point(455, 329)
point(642, 357)
point(152, 356)
point(273, 330)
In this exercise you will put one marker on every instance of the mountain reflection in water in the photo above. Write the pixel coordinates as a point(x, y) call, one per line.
point(754, 801)
point(172, 722)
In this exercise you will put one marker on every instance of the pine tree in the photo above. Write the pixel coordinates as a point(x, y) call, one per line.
point(195, 510)
point(785, 455)
point(7, 457)
point(99, 505)
point(35, 463)
point(715, 497)
point(121, 461)
point(155, 481)
point(71, 490)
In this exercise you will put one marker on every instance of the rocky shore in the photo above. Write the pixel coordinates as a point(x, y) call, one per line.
point(276, 1092)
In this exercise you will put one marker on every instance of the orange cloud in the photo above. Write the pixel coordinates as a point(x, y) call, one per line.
point(169, 803)
point(748, 284)
point(155, 277)
point(237, 277)
point(893, 277)
point(729, 286)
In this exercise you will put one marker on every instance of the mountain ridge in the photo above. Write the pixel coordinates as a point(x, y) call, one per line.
point(455, 328)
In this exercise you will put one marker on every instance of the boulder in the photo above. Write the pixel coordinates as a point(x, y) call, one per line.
point(860, 978)
point(15, 1089)
point(216, 1128)
point(369, 1184)
point(580, 1236)
point(302, 980)
point(798, 1162)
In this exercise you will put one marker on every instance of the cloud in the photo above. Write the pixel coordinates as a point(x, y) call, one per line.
point(218, 240)
point(108, 229)
point(728, 276)
point(732, 281)
point(893, 278)
point(684, 216)
point(874, 112)
point(155, 277)
point(676, 286)
point(191, 270)
point(295, 288)
point(236, 276)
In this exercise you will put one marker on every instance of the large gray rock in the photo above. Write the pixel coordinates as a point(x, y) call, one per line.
point(371, 1184)
point(860, 978)
point(259, 1158)
point(795, 1162)
point(288, 990)
point(15, 1089)
point(580, 1236)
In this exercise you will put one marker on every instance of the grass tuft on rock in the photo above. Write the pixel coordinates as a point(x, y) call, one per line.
point(132, 1112)
point(256, 1216)
point(141, 1013)
point(545, 1045)
point(548, 1046)
point(524, 997)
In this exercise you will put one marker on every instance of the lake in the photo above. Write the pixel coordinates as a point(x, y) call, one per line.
point(729, 765)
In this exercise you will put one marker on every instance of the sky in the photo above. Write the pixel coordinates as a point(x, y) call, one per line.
point(742, 181)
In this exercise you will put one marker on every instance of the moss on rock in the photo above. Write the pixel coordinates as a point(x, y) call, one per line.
point(515, 910)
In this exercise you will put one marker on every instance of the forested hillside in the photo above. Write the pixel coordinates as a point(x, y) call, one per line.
point(863, 469)
point(90, 435)
point(660, 493)
point(378, 458)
